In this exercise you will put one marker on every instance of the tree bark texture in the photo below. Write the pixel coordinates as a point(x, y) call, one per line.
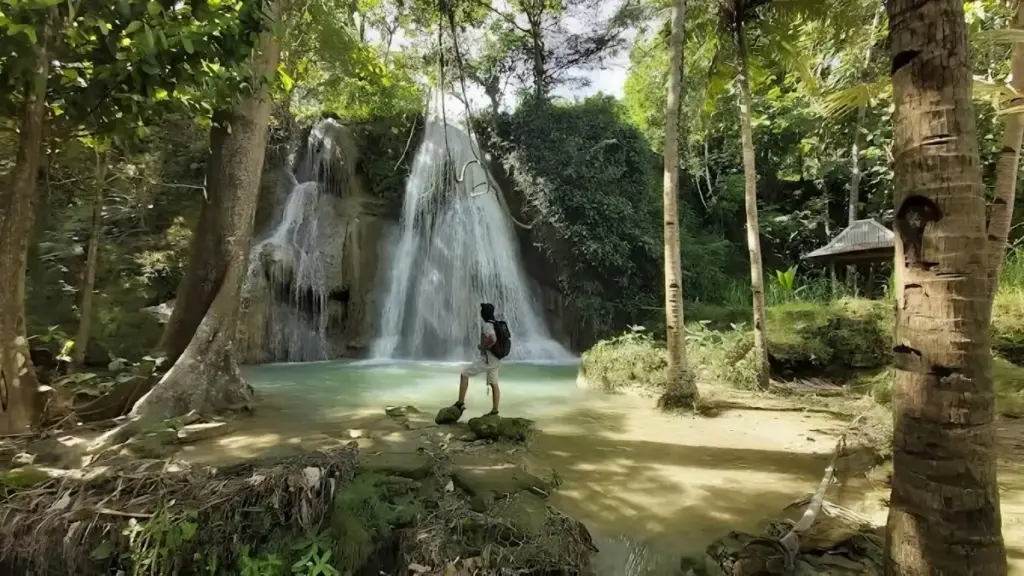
point(19, 406)
point(753, 230)
point(944, 508)
point(206, 376)
point(206, 258)
point(91, 263)
point(680, 386)
point(1007, 166)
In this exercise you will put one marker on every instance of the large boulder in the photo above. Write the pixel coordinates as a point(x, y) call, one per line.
point(448, 415)
point(495, 427)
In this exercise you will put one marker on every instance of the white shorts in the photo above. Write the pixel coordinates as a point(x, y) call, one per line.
point(486, 363)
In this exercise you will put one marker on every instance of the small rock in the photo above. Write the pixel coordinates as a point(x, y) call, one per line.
point(399, 411)
point(197, 432)
point(22, 459)
point(448, 415)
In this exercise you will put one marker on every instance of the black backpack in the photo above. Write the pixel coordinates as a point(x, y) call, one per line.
point(503, 343)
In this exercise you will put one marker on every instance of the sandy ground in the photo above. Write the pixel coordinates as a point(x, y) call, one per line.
point(647, 484)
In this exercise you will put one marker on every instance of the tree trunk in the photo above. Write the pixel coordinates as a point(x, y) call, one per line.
point(944, 508)
point(206, 376)
point(681, 390)
point(753, 231)
point(1006, 168)
point(91, 261)
point(18, 384)
point(857, 175)
point(207, 257)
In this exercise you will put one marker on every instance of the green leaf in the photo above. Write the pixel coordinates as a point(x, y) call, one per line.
point(187, 43)
point(132, 27)
point(286, 80)
point(103, 551)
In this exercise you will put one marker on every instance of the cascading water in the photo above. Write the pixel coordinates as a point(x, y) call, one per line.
point(289, 267)
point(456, 249)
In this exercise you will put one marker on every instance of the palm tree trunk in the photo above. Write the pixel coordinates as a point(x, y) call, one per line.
point(206, 377)
point(944, 508)
point(753, 231)
point(681, 390)
point(857, 175)
point(1006, 168)
point(19, 406)
point(91, 261)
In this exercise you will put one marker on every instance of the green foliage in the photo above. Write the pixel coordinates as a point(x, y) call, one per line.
point(633, 360)
point(365, 511)
point(387, 146)
point(315, 559)
point(588, 182)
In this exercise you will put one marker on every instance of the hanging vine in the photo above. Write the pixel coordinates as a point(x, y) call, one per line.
point(446, 10)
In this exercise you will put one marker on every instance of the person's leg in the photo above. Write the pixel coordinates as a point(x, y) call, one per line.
point(463, 388)
point(492, 381)
point(476, 368)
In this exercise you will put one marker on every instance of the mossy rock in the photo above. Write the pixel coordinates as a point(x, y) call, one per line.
point(24, 477)
point(495, 427)
point(448, 415)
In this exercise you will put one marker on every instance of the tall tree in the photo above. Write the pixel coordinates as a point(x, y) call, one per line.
point(735, 11)
point(18, 385)
point(1007, 165)
point(206, 376)
point(944, 508)
point(92, 252)
point(681, 388)
point(856, 174)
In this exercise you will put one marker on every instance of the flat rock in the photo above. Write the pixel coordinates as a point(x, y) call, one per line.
point(405, 464)
point(501, 428)
point(204, 431)
point(525, 512)
point(399, 411)
point(448, 415)
point(485, 484)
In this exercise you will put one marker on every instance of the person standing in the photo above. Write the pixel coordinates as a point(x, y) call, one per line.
point(495, 344)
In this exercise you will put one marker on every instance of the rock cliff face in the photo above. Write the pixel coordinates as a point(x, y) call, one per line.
point(318, 266)
point(314, 268)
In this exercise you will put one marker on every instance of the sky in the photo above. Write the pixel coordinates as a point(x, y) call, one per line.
point(610, 79)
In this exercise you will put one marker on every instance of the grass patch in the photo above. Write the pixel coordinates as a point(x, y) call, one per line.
point(365, 512)
point(632, 360)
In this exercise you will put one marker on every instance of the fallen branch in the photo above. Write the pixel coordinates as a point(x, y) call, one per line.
point(790, 543)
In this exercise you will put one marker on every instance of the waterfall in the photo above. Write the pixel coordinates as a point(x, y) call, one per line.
point(286, 297)
point(456, 248)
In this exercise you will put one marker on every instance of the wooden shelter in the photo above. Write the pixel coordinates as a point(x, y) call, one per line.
point(863, 242)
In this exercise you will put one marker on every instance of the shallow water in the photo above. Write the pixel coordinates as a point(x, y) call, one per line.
point(650, 487)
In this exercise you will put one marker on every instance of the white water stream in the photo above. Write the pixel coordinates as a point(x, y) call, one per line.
point(457, 248)
point(293, 259)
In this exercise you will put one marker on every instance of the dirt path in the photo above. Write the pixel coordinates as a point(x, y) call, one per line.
point(672, 484)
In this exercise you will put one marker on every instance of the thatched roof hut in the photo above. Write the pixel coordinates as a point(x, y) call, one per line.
point(864, 241)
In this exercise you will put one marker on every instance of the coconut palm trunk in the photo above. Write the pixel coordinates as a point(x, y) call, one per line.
point(681, 388)
point(1006, 167)
point(944, 508)
point(206, 377)
point(19, 407)
point(856, 175)
point(750, 188)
